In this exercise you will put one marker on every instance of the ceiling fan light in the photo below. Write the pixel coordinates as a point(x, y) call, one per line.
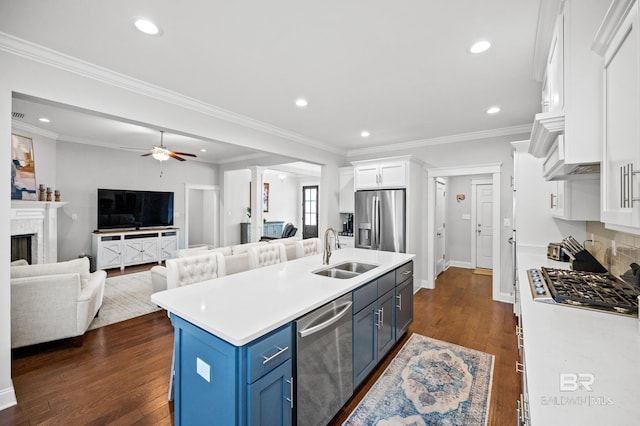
point(160, 156)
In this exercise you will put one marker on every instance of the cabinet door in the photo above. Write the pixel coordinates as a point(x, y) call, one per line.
point(270, 398)
point(169, 247)
point(557, 199)
point(622, 118)
point(404, 307)
point(393, 175)
point(555, 68)
point(366, 177)
point(110, 255)
point(386, 326)
point(364, 343)
point(150, 250)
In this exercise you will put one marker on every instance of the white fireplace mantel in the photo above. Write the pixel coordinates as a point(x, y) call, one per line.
point(39, 218)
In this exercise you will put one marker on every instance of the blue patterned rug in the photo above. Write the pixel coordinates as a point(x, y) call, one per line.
point(429, 382)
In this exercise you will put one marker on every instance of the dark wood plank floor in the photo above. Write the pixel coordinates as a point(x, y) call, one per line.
point(120, 374)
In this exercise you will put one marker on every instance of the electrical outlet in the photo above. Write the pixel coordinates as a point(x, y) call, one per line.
point(74, 216)
point(203, 369)
point(506, 222)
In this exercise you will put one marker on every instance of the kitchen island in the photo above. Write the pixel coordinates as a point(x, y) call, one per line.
point(224, 325)
point(580, 366)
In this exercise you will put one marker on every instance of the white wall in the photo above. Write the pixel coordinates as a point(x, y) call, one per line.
point(284, 198)
point(82, 169)
point(236, 201)
point(196, 216)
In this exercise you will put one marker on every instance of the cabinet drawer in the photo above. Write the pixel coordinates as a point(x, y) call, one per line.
point(364, 295)
point(268, 353)
point(404, 272)
point(386, 283)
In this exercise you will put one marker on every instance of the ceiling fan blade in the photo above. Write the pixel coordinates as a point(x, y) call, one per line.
point(185, 153)
point(173, 155)
point(145, 155)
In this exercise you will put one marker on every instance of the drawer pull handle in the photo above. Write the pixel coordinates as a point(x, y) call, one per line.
point(272, 357)
point(399, 305)
point(290, 399)
point(406, 272)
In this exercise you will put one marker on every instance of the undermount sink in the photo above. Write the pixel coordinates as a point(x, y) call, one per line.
point(345, 270)
point(356, 267)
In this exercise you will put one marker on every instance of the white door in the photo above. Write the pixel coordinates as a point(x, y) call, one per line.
point(440, 226)
point(484, 228)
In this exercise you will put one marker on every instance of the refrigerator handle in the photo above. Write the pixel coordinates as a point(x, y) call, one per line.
point(374, 219)
point(377, 223)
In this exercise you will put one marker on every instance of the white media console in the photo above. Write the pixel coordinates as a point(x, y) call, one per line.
point(117, 249)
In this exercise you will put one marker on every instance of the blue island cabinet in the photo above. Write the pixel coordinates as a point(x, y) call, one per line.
point(219, 383)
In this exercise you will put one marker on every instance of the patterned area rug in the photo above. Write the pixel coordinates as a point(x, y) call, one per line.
point(429, 382)
point(125, 297)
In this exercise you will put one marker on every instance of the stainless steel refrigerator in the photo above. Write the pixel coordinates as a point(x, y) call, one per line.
point(380, 220)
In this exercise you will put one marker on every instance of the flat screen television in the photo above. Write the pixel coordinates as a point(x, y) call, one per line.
point(130, 209)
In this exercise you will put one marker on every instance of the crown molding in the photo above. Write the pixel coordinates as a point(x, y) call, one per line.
point(547, 14)
point(462, 137)
point(53, 58)
point(15, 124)
point(616, 13)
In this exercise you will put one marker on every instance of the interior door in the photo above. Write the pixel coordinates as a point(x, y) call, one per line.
point(309, 211)
point(484, 226)
point(440, 226)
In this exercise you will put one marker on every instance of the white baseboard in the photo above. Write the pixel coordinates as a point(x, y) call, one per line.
point(466, 265)
point(427, 284)
point(7, 398)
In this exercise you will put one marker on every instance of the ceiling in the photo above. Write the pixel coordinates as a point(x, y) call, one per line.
point(400, 70)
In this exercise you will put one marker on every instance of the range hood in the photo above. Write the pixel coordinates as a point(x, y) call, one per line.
point(548, 142)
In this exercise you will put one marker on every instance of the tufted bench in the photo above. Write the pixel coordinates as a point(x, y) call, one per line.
point(194, 269)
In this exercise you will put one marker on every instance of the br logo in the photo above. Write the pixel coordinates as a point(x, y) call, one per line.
point(570, 382)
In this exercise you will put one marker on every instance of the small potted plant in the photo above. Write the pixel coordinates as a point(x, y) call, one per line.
point(249, 213)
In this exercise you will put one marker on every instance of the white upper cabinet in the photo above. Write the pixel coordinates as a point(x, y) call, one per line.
point(346, 201)
point(380, 174)
point(572, 93)
point(577, 199)
point(618, 40)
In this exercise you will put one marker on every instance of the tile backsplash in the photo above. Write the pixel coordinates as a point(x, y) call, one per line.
point(627, 248)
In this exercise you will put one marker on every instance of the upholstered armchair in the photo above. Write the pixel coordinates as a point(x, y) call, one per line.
point(53, 301)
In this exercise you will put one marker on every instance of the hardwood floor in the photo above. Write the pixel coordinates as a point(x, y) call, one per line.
point(120, 374)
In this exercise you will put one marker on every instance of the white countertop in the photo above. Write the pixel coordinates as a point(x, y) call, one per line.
point(241, 307)
point(567, 340)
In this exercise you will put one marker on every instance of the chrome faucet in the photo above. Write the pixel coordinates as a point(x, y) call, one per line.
point(327, 246)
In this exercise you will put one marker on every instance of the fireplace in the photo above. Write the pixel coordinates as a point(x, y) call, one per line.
point(39, 221)
point(22, 247)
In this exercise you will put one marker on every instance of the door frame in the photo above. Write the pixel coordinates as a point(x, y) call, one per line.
point(474, 216)
point(317, 187)
point(444, 182)
point(432, 174)
point(215, 192)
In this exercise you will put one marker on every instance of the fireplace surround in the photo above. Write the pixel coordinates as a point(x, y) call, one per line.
point(39, 219)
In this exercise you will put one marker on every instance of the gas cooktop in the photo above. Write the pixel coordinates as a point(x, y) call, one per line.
point(589, 290)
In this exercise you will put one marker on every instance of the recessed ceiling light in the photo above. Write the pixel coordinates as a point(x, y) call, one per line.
point(301, 102)
point(146, 26)
point(364, 134)
point(493, 110)
point(203, 150)
point(44, 120)
point(480, 47)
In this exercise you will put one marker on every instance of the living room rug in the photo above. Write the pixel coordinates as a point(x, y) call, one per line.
point(125, 297)
point(429, 382)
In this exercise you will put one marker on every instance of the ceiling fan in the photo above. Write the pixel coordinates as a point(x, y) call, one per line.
point(161, 153)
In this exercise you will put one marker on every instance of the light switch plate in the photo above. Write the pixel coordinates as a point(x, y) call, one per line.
point(506, 222)
point(203, 369)
point(466, 216)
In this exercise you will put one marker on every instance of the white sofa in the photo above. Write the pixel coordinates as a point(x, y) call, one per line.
point(53, 301)
point(236, 258)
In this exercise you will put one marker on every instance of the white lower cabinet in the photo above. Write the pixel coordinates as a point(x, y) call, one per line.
point(117, 249)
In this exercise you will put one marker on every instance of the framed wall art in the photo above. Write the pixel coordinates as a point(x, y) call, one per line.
point(23, 175)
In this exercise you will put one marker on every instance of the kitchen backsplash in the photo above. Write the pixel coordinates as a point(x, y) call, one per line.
point(627, 248)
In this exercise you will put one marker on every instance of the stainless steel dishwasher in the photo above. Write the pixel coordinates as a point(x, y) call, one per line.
point(324, 361)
